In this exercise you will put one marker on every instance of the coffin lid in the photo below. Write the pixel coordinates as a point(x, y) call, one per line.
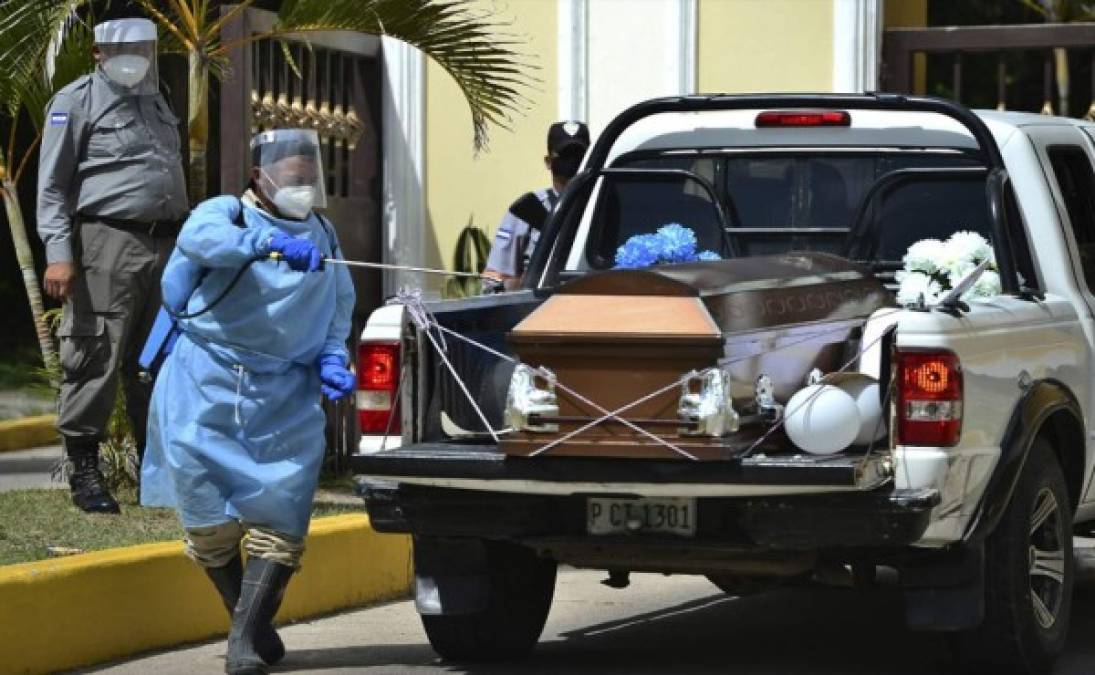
point(721, 277)
point(646, 319)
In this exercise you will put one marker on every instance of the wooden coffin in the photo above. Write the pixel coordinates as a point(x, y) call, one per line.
point(618, 336)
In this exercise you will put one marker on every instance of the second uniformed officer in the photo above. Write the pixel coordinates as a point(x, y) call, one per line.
point(111, 198)
point(517, 234)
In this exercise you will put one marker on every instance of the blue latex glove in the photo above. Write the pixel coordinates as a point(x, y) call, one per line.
point(301, 254)
point(336, 381)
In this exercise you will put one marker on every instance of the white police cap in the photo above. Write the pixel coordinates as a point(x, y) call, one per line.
point(125, 30)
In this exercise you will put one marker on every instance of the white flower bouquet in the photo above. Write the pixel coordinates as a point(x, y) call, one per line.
point(934, 267)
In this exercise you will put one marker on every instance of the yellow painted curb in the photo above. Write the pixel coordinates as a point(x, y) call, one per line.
point(28, 432)
point(89, 608)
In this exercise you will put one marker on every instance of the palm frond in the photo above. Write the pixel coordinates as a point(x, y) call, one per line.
point(473, 47)
point(1062, 11)
point(215, 27)
point(190, 14)
point(190, 26)
point(73, 57)
point(1036, 6)
point(176, 34)
point(28, 32)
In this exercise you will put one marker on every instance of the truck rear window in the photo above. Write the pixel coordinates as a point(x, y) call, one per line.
point(781, 201)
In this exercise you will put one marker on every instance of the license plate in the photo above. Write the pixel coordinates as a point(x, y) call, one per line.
point(624, 516)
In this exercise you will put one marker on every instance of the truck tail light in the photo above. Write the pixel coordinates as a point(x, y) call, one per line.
point(929, 398)
point(377, 387)
point(803, 118)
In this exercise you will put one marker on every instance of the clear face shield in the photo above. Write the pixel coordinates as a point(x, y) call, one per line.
point(128, 51)
point(290, 170)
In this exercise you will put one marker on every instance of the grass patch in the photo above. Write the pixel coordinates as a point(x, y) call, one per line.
point(24, 371)
point(24, 387)
point(34, 521)
point(337, 482)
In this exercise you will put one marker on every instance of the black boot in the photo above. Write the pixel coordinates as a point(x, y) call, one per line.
point(89, 492)
point(227, 580)
point(263, 586)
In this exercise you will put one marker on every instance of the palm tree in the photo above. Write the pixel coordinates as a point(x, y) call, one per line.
point(1063, 11)
point(36, 63)
point(44, 45)
point(466, 44)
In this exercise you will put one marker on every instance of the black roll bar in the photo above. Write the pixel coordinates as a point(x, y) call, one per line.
point(987, 150)
point(670, 174)
point(677, 174)
point(860, 244)
point(573, 196)
point(598, 154)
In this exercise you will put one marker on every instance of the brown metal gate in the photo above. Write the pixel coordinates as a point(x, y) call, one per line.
point(337, 93)
point(902, 45)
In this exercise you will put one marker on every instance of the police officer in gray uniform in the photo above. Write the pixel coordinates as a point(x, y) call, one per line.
point(519, 231)
point(111, 198)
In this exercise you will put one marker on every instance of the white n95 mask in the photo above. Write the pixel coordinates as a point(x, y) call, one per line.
point(126, 69)
point(295, 202)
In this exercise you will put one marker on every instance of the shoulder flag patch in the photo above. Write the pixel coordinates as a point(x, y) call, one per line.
point(58, 118)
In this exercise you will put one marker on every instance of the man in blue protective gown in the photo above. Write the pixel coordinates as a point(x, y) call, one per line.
point(235, 427)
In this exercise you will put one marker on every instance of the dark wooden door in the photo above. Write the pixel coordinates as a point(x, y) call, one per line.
point(334, 89)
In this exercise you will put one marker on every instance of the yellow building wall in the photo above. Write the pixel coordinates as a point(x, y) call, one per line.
point(905, 13)
point(909, 14)
point(764, 45)
point(742, 45)
point(460, 186)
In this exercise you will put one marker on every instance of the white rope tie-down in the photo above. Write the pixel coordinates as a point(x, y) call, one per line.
point(607, 414)
point(411, 300)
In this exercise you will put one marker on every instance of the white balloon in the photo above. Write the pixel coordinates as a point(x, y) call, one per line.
point(822, 419)
point(864, 390)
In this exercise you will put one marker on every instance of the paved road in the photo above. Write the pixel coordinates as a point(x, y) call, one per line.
point(24, 469)
point(658, 625)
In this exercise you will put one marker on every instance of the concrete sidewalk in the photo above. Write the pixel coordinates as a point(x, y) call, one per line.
point(16, 403)
point(26, 469)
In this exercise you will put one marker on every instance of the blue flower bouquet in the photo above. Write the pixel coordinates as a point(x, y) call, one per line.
point(672, 243)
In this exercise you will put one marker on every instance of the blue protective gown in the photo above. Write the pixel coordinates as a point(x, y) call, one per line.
point(235, 426)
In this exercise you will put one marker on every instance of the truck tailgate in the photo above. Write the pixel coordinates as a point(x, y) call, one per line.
point(484, 467)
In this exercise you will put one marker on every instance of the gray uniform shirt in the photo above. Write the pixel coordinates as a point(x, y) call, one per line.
point(519, 231)
point(106, 152)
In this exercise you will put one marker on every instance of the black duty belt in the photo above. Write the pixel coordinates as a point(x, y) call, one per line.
point(155, 228)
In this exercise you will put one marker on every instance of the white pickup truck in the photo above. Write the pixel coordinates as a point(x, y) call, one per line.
point(971, 493)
